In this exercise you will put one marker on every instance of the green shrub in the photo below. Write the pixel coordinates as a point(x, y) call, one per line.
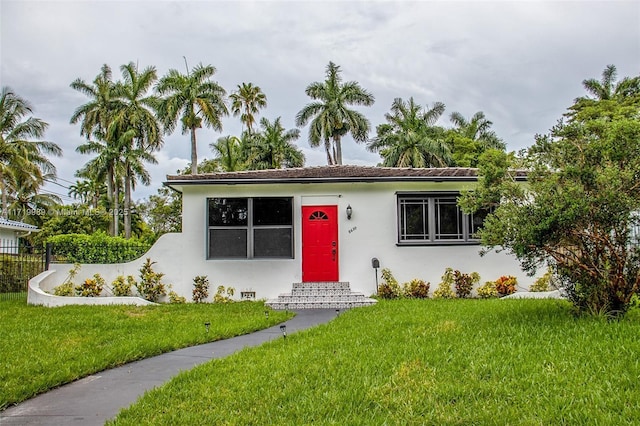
point(416, 288)
point(15, 272)
point(487, 290)
point(389, 289)
point(224, 295)
point(464, 283)
point(444, 288)
point(175, 298)
point(150, 286)
point(95, 248)
point(121, 286)
point(201, 288)
point(67, 288)
point(91, 287)
point(543, 283)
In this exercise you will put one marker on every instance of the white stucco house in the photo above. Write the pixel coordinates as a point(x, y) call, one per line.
point(262, 231)
point(10, 233)
point(309, 235)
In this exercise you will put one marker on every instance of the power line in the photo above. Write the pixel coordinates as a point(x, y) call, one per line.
point(56, 183)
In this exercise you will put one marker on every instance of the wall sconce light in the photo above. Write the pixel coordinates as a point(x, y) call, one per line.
point(349, 212)
point(283, 329)
point(206, 325)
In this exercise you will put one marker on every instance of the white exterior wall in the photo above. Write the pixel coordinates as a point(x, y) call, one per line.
point(8, 241)
point(371, 232)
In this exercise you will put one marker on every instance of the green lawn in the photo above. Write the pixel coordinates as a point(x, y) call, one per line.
point(516, 362)
point(41, 348)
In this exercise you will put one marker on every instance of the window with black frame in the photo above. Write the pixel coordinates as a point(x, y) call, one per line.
point(435, 218)
point(250, 228)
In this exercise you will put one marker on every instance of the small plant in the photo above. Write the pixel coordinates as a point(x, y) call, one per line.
point(64, 289)
point(487, 290)
point(543, 283)
point(416, 288)
point(150, 286)
point(464, 283)
point(67, 287)
point(444, 288)
point(91, 287)
point(224, 295)
point(121, 286)
point(506, 285)
point(389, 289)
point(175, 298)
point(201, 288)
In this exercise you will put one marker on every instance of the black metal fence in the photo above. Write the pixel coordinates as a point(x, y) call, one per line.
point(18, 264)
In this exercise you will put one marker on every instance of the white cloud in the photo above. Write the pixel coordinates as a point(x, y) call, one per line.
point(522, 63)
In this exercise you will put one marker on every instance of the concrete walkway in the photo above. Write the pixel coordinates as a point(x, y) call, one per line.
point(99, 397)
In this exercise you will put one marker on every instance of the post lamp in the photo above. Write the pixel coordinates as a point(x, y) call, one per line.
point(283, 329)
point(207, 325)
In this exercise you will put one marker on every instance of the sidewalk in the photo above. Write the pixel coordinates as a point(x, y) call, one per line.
point(99, 397)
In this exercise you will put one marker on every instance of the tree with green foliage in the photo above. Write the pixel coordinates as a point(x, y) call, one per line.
point(20, 155)
point(163, 211)
point(330, 116)
point(470, 138)
point(88, 191)
point(26, 201)
point(196, 99)
point(274, 147)
point(246, 103)
point(94, 117)
point(580, 209)
point(139, 130)
point(229, 154)
point(410, 137)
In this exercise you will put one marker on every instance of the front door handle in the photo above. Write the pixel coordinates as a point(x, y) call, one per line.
point(333, 255)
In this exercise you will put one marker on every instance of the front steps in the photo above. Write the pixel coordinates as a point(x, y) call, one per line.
point(320, 295)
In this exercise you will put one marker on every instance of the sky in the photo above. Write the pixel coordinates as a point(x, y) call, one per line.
point(520, 62)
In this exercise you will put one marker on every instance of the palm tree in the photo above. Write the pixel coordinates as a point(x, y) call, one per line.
point(18, 153)
point(275, 148)
point(26, 198)
point(246, 102)
point(330, 116)
point(97, 113)
point(105, 166)
point(607, 88)
point(96, 116)
point(195, 99)
point(410, 138)
point(138, 130)
point(478, 129)
point(88, 190)
point(229, 154)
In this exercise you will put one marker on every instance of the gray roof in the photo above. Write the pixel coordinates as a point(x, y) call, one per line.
point(13, 224)
point(320, 174)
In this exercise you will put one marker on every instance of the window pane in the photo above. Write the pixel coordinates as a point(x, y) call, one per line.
point(414, 221)
point(272, 211)
point(449, 219)
point(476, 220)
point(227, 243)
point(228, 212)
point(272, 242)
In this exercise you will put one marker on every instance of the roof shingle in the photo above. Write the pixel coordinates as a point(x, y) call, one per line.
point(344, 173)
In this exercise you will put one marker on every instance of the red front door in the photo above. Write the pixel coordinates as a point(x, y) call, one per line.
point(319, 243)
